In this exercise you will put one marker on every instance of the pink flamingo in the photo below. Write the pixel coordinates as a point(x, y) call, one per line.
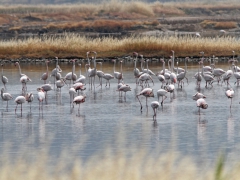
point(19, 100)
point(6, 96)
point(41, 96)
point(155, 105)
point(201, 103)
point(147, 92)
point(230, 93)
point(78, 100)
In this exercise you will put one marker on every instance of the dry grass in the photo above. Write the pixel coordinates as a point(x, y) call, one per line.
point(73, 45)
point(118, 7)
point(218, 25)
point(225, 25)
point(133, 164)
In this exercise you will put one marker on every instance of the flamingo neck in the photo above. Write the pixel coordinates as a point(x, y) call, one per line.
point(185, 66)
point(172, 61)
point(163, 67)
point(47, 67)
point(80, 71)
point(114, 66)
point(73, 68)
point(19, 69)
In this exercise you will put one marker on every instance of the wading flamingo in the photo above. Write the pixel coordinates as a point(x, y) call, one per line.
point(230, 93)
point(4, 78)
point(6, 96)
point(147, 92)
point(45, 75)
point(155, 105)
point(19, 100)
point(201, 103)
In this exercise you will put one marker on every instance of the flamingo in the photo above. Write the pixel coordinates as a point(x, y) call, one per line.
point(201, 103)
point(236, 75)
point(170, 88)
point(55, 71)
point(147, 92)
point(217, 72)
point(41, 96)
point(60, 83)
point(71, 76)
point(78, 100)
point(197, 96)
point(100, 74)
point(173, 76)
point(208, 78)
point(79, 86)
point(118, 75)
point(155, 105)
point(145, 77)
point(19, 100)
point(4, 78)
point(46, 88)
point(108, 77)
point(72, 93)
point(162, 93)
point(205, 68)
point(160, 76)
point(198, 76)
point(45, 75)
point(29, 98)
point(81, 78)
point(23, 78)
point(148, 71)
point(6, 96)
point(136, 71)
point(230, 93)
point(228, 74)
point(124, 88)
point(92, 72)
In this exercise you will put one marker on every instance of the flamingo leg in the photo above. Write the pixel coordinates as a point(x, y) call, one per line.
point(139, 102)
point(16, 109)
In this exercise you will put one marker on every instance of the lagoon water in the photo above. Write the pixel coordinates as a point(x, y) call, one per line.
point(107, 120)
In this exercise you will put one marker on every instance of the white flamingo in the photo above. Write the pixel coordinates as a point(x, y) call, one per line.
point(29, 98)
point(124, 88)
point(198, 76)
point(145, 77)
point(228, 74)
point(71, 76)
point(41, 96)
point(23, 79)
point(197, 96)
point(201, 103)
point(19, 100)
point(146, 70)
point(147, 92)
point(6, 96)
point(118, 75)
point(173, 77)
point(60, 83)
point(161, 76)
point(217, 72)
point(55, 71)
point(136, 71)
point(72, 93)
point(155, 105)
point(4, 78)
point(92, 72)
point(81, 78)
point(162, 93)
point(100, 74)
point(46, 88)
point(170, 88)
point(44, 76)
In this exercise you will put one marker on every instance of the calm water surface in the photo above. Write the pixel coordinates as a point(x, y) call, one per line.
point(105, 118)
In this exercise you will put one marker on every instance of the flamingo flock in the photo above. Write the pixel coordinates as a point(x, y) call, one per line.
point(168, 78)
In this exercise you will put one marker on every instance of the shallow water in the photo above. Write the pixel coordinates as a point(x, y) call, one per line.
point(107, 120)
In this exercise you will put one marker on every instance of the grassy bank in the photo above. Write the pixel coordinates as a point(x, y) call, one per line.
point(76, 46)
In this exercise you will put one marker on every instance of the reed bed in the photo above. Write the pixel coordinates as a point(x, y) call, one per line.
point(136, 164)
point(74, 45)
